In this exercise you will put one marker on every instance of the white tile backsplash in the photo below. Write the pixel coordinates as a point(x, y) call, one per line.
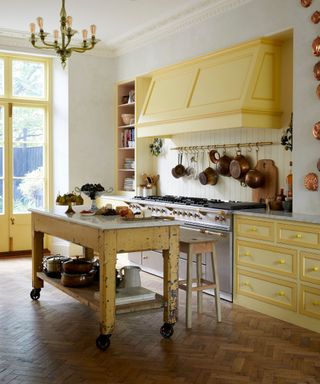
point(227, 188)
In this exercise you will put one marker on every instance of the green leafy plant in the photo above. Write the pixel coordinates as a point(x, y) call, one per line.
point(156, 146)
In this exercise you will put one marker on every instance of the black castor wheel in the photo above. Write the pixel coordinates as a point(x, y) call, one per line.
point(103, 342)
point(35, 293)
point(166, 330)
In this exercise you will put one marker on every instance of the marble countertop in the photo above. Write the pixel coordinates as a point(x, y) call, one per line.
point(280, 215)
point(104, 222)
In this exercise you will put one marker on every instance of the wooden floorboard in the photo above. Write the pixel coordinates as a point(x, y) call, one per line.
point(52, 341)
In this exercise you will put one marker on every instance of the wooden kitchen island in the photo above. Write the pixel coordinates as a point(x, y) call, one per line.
point(109, 235)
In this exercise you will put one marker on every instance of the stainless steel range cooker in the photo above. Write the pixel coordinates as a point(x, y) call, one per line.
point(213, 217)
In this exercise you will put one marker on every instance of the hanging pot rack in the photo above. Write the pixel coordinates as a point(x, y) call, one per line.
point(202, 148)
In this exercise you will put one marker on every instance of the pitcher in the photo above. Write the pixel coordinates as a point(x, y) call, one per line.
point(131, 276)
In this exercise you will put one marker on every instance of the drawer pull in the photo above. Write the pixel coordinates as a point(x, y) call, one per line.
point(281, 293)
point(281, 261)
point(253, 229)
point(315, 268)
point(298, 236)
point(247, 253)
point(316, 303)
point(247, 284)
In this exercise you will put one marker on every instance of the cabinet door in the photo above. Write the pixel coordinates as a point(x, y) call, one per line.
point(310, 267)
point(310, 302)
point(299, 235)
point(255, 229)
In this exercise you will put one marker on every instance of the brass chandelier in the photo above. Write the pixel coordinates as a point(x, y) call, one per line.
point(61, 44)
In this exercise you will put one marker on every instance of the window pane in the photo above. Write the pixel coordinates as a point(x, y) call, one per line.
point(28, 79)
point(28, 193)
point(28, 124)
point(1, 196)
point(1, 142)
point(27, 159)
point(1, 77)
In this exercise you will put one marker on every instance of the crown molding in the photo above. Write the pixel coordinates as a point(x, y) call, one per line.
point(191, 16)
point(194, 15)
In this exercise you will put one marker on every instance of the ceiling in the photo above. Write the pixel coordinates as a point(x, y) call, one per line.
point(121, 24)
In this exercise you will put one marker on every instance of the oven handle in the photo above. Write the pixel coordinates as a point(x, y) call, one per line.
point(206, 231)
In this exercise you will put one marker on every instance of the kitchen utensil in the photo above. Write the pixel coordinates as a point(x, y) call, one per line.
point(315, 18)
point(130, 276)
point(254, 178)
point(208, 176)
point(179, 170)
point(316, 46)
point(239, 166)
point(76, 280)
point(270, 187)
point(316, 130)
point(77, 266)
point(306, 3)
point(214, 156)
point(223, 165)
point(316, 70)
point(311, 181)
point(190, 171)
point(52, 265)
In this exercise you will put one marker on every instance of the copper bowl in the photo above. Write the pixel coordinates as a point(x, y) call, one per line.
point(77, 280)
point(316, 130)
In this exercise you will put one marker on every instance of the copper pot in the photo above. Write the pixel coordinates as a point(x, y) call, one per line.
point(316, 130)
point(76, 280)
point(223, 165)
point(254, 179)
point(214, 156)
point(239, 166)
point(78, 265)
point(179, 170)
point(316, 70)
point(208, 176)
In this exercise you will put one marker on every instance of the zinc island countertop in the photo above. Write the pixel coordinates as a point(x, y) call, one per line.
point(280, 215)
point(105, 222)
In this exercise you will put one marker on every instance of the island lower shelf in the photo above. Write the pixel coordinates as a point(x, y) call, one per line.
point(88, 296)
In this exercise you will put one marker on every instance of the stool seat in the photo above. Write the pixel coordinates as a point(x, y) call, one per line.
point(197, 243)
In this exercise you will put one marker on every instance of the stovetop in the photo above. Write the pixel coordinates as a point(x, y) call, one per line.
point(201, 202)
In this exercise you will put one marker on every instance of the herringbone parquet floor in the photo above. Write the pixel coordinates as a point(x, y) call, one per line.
point(52, 341)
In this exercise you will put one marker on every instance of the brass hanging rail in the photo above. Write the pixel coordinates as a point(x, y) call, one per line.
point(224, 146)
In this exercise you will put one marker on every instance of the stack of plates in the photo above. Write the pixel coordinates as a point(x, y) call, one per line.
point(128, 164)
point(128, 184)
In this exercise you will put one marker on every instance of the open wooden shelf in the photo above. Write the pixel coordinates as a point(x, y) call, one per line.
point(86, 295)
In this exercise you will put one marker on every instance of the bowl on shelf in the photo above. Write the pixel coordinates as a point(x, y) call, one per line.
point(127, 118)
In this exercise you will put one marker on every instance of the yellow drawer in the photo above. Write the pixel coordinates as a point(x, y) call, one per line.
point(310, 267)
point(267, 289)
point(255, 229)
point(310, 301)
point(299, 235)
point(266, 257)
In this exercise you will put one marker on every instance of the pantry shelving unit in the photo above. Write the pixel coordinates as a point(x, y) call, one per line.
point(125, 138)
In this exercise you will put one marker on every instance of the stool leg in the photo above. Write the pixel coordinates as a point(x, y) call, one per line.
point(189, 288)
point(199, 282)
point(216, 281)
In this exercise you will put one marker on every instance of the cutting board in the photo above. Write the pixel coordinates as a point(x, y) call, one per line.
point(270, 187)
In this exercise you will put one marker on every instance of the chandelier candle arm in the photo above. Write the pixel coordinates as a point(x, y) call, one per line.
point(62, 49)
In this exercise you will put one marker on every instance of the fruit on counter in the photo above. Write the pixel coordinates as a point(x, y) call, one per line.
point(106, 211)
point(92, 188)
point(68, 198)
point(126, 212)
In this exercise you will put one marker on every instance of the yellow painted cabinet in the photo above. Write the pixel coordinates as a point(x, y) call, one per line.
point(277, 268)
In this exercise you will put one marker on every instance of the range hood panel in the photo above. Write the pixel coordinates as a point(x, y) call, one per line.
point(237, 87)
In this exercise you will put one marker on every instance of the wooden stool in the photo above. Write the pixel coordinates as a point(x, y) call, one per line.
point(195, 243)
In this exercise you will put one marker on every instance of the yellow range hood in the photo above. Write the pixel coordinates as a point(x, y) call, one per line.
point(235, 87)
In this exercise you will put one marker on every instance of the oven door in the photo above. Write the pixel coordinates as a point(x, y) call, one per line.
point(224, 260)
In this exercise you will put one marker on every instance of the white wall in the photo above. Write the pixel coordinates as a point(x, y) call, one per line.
point(91, 126)
point(255, 19)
